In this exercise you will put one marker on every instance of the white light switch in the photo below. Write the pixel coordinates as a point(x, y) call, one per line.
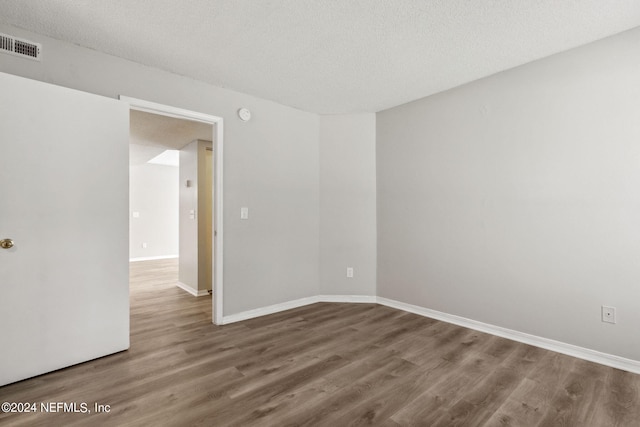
point(192, 214)
point(244, 213)
point(136, 214)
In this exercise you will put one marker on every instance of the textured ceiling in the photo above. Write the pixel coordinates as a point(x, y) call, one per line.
point(151, 134)
point(165, 131)
point(328, 56)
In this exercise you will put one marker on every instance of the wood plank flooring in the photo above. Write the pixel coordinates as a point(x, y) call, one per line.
point(326, 364)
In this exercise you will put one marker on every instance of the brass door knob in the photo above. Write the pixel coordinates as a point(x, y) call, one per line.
point(6, 243)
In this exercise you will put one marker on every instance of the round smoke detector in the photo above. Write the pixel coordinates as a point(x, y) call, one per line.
point(244, 114)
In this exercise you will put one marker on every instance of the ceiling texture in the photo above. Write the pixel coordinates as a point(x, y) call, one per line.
point(328, 56)
point(151, 134)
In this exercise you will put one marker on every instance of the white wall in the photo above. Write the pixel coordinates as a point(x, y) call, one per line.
point(348, 204)
point(271, 166)
point(153, 193)
point(515, 200)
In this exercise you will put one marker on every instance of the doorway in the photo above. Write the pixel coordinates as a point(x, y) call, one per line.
point(212, 217)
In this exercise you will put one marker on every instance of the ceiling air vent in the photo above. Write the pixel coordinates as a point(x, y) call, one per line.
point(19, 47)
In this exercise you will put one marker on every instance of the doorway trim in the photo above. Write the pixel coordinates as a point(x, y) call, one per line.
point(217, 124)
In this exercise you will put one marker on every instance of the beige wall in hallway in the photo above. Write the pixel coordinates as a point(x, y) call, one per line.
point(195, 216)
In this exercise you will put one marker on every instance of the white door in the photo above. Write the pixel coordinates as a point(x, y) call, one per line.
point(64, 289)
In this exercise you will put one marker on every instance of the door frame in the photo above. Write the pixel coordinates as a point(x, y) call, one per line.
point(217, 124)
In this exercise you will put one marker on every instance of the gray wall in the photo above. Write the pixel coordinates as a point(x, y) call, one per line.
point(512, 200)
point(515, 200)
point(271, 166)
point(153, 192)
point(347, 204)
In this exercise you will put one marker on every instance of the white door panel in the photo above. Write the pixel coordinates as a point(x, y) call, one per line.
point(64, 292)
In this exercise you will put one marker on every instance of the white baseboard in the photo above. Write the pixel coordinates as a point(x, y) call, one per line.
point(263, 311)
point(548, 344)
point(276, 308)
point(347, 298)
point(192, 291)
point(151, 258)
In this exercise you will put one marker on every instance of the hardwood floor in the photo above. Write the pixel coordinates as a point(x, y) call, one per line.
point(325, 364)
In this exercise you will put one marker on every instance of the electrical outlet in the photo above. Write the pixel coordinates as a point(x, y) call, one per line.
point(350, 272)
point(608, 314)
